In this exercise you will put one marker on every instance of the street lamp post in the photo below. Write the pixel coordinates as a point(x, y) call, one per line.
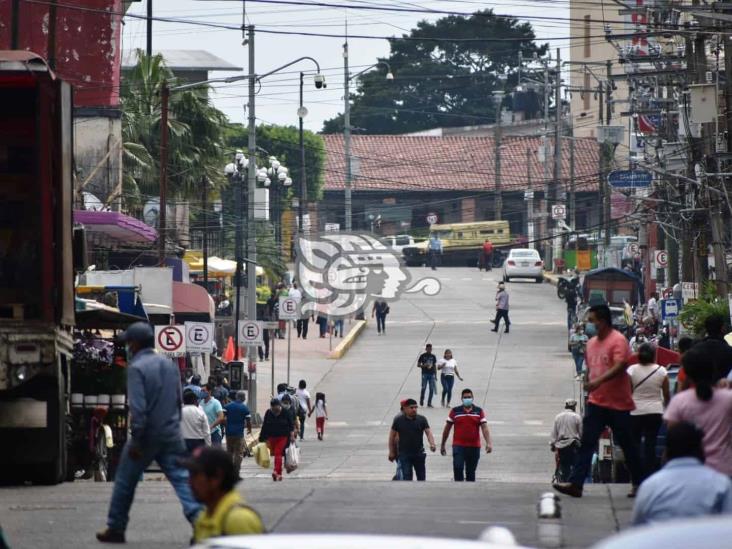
point(302, 112)
point(273, 178)
point(347, 77)
point(498, 98)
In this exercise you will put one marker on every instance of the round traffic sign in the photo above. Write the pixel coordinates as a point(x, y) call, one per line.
point(431, 218)
point(170, 339)
point(250, 332)
point(661, 258)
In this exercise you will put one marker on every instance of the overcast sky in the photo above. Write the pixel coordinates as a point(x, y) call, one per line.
point(278, 99)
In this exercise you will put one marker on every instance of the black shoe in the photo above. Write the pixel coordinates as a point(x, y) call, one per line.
point(495, 330)
point(506, 331)
point(421, 402)
point(111, 536)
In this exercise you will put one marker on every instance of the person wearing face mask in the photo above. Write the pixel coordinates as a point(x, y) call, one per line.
point(277, 430)
point(155, 400)
point(577, 343)
point(609, 403)
point(469, 421)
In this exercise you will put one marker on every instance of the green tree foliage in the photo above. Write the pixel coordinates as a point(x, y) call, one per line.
point(695, 313)
point(283, 142)
point(446, 83)
point(195, 135)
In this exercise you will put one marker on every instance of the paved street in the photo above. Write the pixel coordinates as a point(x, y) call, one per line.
point(521, 379)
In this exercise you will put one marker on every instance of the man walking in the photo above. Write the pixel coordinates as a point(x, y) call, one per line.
point(301, 324)
point(155, 400)
point(434, 249)
point(609, 404)
point(380, 310)
point(237, 415)
point(214, 413)
point(487, 255)
point(305, 408)
point(501, 308)
point(406, 441)
point(427, 362)
point(565, 439)
point(469, 420)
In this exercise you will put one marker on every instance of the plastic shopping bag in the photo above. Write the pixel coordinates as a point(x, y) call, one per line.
point(292, 458)
point(261, 455)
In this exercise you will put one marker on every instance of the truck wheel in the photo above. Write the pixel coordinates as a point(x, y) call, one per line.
point(539, 279)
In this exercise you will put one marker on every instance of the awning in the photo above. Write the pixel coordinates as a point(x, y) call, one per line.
point(104, 319)
point(216, 265)
point(114, 228)
point(192, 299)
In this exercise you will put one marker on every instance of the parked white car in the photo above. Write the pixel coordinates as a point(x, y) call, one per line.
point(398, 242)
point(523, 263)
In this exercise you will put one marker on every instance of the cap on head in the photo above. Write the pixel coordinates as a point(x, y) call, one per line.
point(570, 403)
point(409, 402)
point(139, 332)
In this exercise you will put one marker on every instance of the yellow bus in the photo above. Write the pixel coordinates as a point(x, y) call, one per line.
point(462, 243)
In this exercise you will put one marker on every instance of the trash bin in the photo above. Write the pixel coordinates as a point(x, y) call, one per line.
point(559, 265)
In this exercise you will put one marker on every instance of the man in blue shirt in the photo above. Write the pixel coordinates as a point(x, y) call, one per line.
point(195, 386)
point(155, 400)
point(237, 414)
point(434, 249)
point(685, 487)
point(214, 413)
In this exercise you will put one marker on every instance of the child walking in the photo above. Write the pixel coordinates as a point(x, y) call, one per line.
point(321, 414)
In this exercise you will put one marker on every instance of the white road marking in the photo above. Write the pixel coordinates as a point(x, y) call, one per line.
point(337, 424)
point(496, 422)
point(467, 278)
point(533, 422)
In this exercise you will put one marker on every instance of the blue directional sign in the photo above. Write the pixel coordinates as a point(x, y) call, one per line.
point(629, 179)
point(670, 308)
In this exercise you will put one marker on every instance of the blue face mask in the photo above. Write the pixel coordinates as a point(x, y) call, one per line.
point(590, 330)
point(468, 402)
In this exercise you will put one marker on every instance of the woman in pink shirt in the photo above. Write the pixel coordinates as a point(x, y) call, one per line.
point(706, 407)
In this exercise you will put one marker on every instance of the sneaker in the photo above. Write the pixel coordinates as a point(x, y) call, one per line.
point(568, 488)
point(111, 536)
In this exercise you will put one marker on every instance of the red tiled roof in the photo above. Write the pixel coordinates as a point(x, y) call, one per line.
point(451, 163)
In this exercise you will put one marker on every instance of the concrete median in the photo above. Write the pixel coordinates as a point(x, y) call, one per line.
point(342, 348)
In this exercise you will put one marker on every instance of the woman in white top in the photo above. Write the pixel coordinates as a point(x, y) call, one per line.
point(650, 387)
point(448, 365)
point(193, 422)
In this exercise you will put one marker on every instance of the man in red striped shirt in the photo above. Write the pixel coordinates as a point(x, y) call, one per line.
point(469, 421)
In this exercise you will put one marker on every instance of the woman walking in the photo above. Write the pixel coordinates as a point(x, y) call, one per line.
point(578, 343)
point(449, 368)
point(277, 430)
point(651, 395)
point(706, 407)
point(321, 414)
point(380, 310)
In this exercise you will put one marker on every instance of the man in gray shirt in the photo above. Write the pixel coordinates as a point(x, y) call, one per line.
point(155, 399)
point(501, 308)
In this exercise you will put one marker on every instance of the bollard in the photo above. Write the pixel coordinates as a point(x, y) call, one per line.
point(549, 525)
point(499, 536)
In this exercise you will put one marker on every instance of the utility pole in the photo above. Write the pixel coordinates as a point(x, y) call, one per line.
point(204, 208)
point(148, 21)
point(251, 226)
point(303, 181)
point(572, 186)
point(529, 203)
point(557, 152)
point(162, 217)
point(544, 222)
point(498, 97)
point(347, 136)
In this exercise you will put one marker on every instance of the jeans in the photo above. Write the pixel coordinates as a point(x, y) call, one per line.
point(302, 416)
point(338, 327)
point(431, 380)
point(416, 462)
point(501, 314)
point(302, 327)
point(129, 473)
point(235, 448)
point(579, 359)
point(645, 433)
point(447, 382)
point(434, 256)
point(193, 443)
point(593, 424)
point(465, 459)
point(216, 438)
point(566, 456)
point(380, 322)
point(322, 325)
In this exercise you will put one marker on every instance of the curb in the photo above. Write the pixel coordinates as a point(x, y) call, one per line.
point(349, 340)
point(551, 278)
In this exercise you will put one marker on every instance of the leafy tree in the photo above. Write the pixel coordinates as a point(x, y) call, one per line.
point(445, 83)
point(695, 313)
point(195, 135)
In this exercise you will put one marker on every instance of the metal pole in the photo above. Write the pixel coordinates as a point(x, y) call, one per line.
point(572, 187)
point(237, 255)
point(557, 150)
point(162, 217)
point(347, 136)
point(544, 223)
point(497, 138)
point(205, 232)
point(251, 232)
point(530, 203)
point(149, 20)
point(303, 179)
point(289, 339)
point(272, 354)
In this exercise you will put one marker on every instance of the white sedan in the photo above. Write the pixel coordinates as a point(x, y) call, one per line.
point(523, 263)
